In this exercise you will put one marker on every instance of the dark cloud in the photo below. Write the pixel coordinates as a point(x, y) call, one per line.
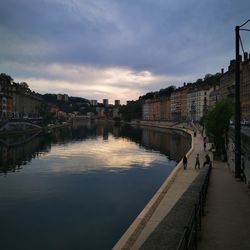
point(171, 37)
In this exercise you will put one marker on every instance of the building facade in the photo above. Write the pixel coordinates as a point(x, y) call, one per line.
point(197, 103)
point(227, 83)
point(16, 101)
point(245, 89)
point(93, 102)
point(105, 102)
point(175, 106)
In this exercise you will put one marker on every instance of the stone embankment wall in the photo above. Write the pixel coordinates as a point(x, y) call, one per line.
point(169, 232)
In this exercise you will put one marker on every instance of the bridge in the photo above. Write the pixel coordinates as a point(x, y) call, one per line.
point(11, 125)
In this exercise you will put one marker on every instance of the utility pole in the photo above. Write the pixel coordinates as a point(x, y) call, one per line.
point(237, 105)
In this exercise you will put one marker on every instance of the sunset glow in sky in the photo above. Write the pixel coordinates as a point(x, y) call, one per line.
point(117, 49)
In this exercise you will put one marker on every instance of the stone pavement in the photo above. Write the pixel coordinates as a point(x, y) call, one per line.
point(150, 218)
point(227, 221)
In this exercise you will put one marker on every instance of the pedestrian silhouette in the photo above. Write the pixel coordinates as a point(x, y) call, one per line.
point(207, 161)
point(185, 162)
point(197, 162)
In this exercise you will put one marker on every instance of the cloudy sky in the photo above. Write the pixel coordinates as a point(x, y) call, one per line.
point(117, 49)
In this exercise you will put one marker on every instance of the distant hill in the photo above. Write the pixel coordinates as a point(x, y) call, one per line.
point(74, 104)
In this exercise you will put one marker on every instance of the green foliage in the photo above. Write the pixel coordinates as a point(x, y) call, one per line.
point(44, 111)
point(163, 92)
point(217, 121)
point(131, 111)
point(167, 91)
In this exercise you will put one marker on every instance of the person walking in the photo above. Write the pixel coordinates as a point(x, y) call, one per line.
point(185, 162)
point(197, 162)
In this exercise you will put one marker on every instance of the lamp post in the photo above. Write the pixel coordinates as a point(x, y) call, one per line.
point(237, 101)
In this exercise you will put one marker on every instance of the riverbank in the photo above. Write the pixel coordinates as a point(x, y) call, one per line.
point(17, 132)
point(168, 194)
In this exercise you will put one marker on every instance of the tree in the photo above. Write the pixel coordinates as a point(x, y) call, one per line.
point(24, 85)
point(217, 122)
point(44, 111)
point(131, 111)
point(6, 77)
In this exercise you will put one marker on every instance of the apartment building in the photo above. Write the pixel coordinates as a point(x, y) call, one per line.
point(227, 82)
point(156, 109)
point(16, 101)
point(214, 96)
point(165, 108)
point(245, 88)
point(198, 102)
point(175, 105)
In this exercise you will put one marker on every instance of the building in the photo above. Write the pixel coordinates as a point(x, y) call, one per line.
point(117, 103)
point(175, 105)
point(183, 102)
point(227, 82)
point(105, 102)
point(165, 108)
point(25, 102)
point(17, 101)
point(62, 97)
point(155, 109)
point(214, 96)
point(245, 88)
point(145, 110)
point(93, 102)
point(198, 102)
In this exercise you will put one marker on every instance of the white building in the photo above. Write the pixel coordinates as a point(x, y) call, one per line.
point(197, 103)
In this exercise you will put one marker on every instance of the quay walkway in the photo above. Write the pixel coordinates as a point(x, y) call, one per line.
point(165, 198)
point(226, 224)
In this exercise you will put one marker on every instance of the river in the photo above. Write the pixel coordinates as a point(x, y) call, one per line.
point(81, 187)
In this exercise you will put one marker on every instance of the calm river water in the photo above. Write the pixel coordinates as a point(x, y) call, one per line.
point(81, 188)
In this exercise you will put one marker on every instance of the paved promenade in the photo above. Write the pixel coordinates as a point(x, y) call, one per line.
point(226, 224)
point(163, 201)
point(227, 221)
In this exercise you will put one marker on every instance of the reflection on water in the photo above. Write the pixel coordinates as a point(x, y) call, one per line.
point(81, 187)
point(170, 143)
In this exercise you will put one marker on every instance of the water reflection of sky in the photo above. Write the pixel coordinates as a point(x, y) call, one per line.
point(98, 154)
point(79, 195)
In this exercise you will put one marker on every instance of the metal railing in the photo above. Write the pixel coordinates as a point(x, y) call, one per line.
point(189, 239)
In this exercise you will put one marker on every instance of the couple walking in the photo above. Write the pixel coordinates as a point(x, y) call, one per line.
point(185, 161)
point(197, 161)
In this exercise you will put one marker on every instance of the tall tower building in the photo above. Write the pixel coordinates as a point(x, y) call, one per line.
point(117, 102)
point(106, 102)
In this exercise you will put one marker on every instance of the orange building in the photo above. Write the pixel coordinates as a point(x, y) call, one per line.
point(165, 108)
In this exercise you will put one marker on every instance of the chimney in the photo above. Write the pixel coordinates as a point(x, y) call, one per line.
point(222, 71)
point(245, 56)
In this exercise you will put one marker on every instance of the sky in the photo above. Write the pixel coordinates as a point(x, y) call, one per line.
point(117, 49)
